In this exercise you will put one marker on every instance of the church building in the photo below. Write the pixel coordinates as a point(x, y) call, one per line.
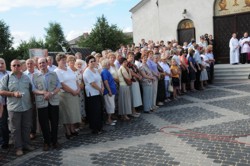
point(186, 19)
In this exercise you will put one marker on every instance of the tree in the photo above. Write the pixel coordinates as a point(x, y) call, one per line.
point(103, 36)
point(54, 39)
point(6, 40)
point(24, 46)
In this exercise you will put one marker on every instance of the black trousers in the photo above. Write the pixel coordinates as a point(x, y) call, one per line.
point(243, 58)
point(4, 126)
point(34, 119)
point(197, 82)
point(161, 91)
point(94, 108)
point(48, 119)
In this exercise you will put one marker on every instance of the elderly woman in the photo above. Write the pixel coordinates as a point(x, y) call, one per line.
point(161, 83)
point(78, 65)
point(94, 89)
point(146, 82)
point(124, 101)
point(109, 91)
point(166, 69)
point(135, 88)
point(69, 100)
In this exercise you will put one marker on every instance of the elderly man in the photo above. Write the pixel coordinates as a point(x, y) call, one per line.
point(30, 64)
point(46, 86)
point(4, 113)
point(50, 61)
point(16, 86)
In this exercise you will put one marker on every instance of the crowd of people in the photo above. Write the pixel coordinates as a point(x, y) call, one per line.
point(99, 90)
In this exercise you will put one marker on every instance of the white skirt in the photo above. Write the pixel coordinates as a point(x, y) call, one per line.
point(136, 94)
point(109, 103)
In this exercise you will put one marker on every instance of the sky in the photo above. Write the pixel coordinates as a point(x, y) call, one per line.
point(28, 18)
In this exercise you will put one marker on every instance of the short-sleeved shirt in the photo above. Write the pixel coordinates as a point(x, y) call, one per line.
point(67, 77)
point(176, 68)
point(106, 75)
point(152, 66)
point(23, 85)
point(29, 74)
point(122, 72)
point(90, 77)
point(114, 72)
point(3, 98)
point(166, 69)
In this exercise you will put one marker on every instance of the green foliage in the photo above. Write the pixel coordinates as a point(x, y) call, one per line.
point(103, 36)
point(54, 37)
point(24, 46)
point(9, 55)
point(6, 40)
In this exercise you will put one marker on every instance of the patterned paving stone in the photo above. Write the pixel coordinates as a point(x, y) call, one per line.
point(219, 142)
point(147, 154)
point(122, 130)
point(245, 88)
point(211, 94)
point(180, 101)
point(49, 158)
point(240, 104)
point(187, 115)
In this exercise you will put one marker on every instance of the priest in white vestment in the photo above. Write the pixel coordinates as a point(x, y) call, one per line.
point(245, 47)
point(234, 49)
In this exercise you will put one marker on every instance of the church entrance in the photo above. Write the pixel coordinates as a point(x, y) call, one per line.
point(186, 31)
point(230, 16)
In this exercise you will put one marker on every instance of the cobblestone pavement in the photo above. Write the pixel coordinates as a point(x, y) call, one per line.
point(204, 128)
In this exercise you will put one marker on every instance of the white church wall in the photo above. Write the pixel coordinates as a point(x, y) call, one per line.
point(161, 23)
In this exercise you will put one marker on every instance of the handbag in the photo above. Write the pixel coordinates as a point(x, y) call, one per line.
point(170, 86)
point(128, 81)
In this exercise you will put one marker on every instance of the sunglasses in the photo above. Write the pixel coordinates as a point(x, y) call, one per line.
point(92, 61)
point(16, 65)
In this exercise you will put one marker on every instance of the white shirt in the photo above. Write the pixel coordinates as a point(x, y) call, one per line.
point(138, 64)
point(245, 48)
point(51, 68)
point(90, 77)
point(166, 69)
point(67, 77)
point(205, 58)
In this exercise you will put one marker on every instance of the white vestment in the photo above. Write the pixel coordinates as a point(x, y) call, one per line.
point(234, 50)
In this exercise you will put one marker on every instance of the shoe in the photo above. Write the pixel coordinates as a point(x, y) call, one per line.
point(56, 146)
point(135, 115)
point(153, 110)
point(114, 121)
point(45, 147)
point(32, 136)
point(29, 148)
point(155, 107)
point(68, 136)
point(160, 103)
point(19, 152)
point(111, 124)
point(5, 146)
point(74, 133)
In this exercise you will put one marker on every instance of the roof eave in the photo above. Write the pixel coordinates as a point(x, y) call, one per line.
point(138, 6)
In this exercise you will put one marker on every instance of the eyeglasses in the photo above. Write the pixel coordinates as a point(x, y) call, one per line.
point(16, 65)
point(41, 62)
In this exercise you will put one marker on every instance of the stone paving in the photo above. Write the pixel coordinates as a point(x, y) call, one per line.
point(204, 128)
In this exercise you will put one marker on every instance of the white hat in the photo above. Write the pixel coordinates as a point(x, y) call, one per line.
point(93, 53)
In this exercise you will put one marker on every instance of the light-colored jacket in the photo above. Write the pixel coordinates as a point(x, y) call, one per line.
point(45, 82)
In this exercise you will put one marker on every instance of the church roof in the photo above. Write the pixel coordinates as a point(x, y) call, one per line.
point(138, 6)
